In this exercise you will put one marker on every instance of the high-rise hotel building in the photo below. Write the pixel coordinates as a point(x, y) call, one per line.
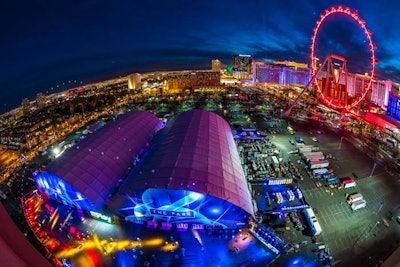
point(215, 65)
point(242, 66)
point(378, 94)
point(282, 73)
point(134, 81)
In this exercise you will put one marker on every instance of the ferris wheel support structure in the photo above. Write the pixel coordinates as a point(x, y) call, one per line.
point(287, 112)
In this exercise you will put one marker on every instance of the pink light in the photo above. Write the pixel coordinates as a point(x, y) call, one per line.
point(72, 230)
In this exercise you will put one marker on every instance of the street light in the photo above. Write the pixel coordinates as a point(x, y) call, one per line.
point(373, 169)
point(380, 207)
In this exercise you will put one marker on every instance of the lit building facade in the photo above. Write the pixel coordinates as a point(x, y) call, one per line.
point(40, 100)
point(201, 79)
point(177, 83)
point(134, 81)
point(216, 65)
point(378, 94)
point(180, 82)
point(393, 108)
point(242, 66)
point(282, 74)
point(357, 84)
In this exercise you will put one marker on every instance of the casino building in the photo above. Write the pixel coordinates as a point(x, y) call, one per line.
point(189, 174)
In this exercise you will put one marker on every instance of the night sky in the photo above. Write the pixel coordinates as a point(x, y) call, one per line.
point(48, 46)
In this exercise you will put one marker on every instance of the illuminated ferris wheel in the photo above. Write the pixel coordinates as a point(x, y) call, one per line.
point(331, 81)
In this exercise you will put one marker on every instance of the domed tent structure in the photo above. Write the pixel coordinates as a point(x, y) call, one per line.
point(15, 249)
point(87, 173)
point(191, 174)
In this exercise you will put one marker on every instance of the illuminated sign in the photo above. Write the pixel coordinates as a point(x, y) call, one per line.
point(295, 207)
point(100, 217)
point(172, 213)
point(279, 181)
point(180, 207)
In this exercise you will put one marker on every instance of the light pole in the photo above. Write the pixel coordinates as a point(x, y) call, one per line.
point(380, 207)
point(373, 169)
point(376, 224)
point(341, 140)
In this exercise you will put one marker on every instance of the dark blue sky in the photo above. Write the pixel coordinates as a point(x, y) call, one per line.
point(48, 43)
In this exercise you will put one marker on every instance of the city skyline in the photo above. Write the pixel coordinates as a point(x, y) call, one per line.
point(48, 44)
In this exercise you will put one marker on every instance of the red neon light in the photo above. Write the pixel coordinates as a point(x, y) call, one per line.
point(94, 256)
point(353, 14)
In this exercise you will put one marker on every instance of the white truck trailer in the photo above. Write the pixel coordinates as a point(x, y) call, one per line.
point(361, 203)
point(354, 197)
point(318, 164)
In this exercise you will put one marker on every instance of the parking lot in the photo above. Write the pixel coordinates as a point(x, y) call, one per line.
point(363, 237)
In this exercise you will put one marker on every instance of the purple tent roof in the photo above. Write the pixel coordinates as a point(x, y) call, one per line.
point(94, 166)
point(196, 152)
